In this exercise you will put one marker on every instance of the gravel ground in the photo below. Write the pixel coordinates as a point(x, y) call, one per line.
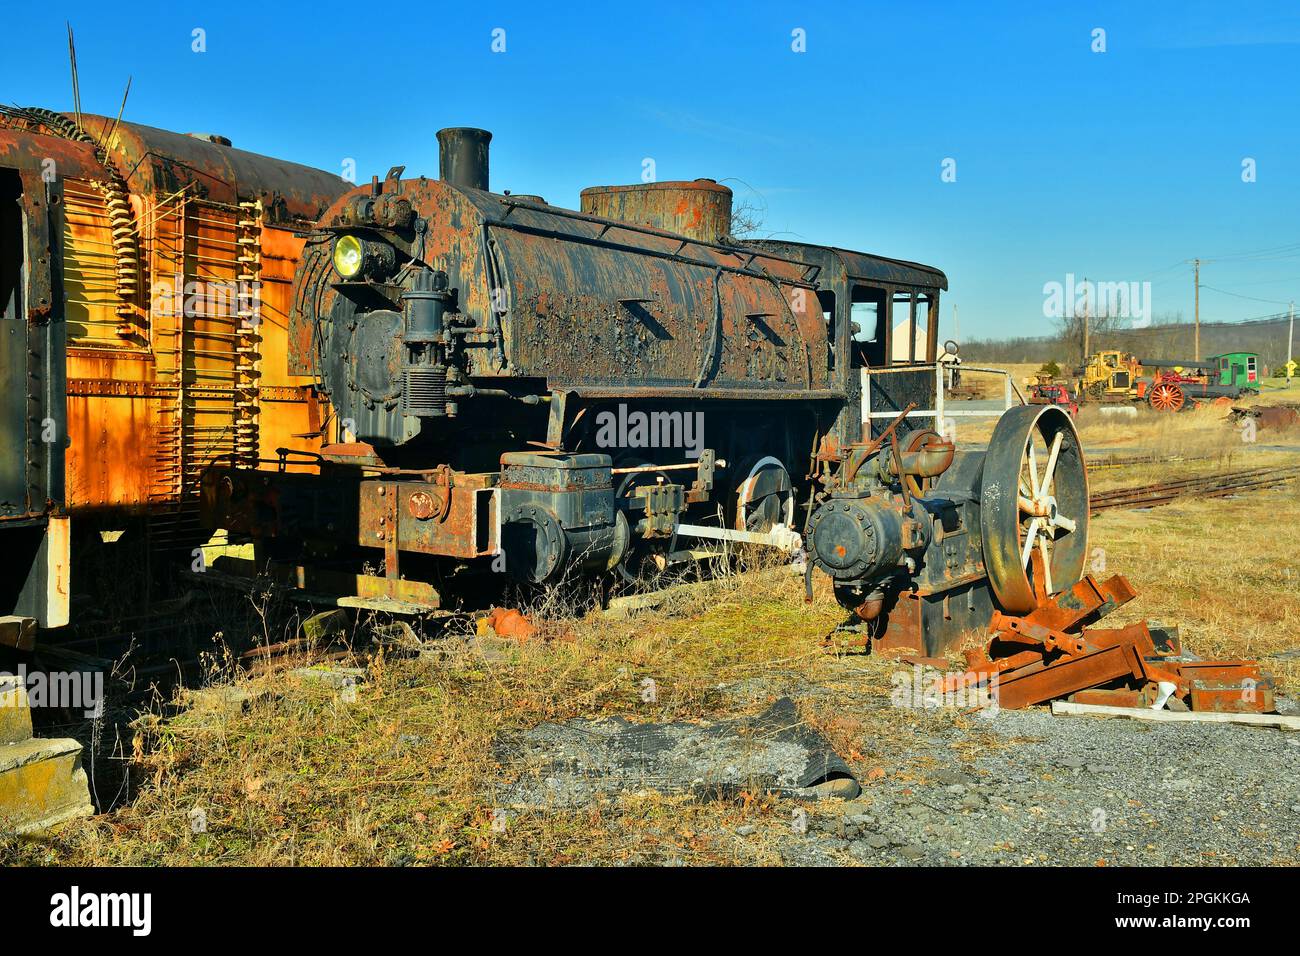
point(569, 764)
point(1080, 791)
point(1061, 791)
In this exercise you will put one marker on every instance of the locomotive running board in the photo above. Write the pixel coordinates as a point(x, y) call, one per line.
point(336, 588)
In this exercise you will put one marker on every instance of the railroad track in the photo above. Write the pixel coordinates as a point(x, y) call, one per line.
point(1203, 486)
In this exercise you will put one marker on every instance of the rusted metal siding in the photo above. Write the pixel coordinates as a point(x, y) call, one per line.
point(145, 419)
point(862, 266)
point(32, 338)
point(153, 400)
point(89, 273)
point(159, 163)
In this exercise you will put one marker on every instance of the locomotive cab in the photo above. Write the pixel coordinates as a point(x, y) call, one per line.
point(880, 313)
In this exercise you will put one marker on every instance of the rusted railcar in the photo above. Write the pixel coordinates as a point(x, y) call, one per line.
point(492, 357)
point(144, 280)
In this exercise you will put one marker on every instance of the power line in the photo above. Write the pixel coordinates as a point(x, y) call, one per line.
point(1270, 281)
point(1240, 296)
point(1252, 253)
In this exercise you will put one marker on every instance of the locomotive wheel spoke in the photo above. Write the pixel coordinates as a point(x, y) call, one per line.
point(1064, 523)
point(1030, 535)
point(1050, 471)
point(1035, 521)
point(1167, 398)
point(1047, 563)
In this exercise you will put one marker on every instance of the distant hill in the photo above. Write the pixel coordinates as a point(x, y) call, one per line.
point(1267, 336)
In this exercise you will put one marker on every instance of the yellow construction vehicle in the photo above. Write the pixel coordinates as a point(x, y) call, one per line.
point(1108, 376)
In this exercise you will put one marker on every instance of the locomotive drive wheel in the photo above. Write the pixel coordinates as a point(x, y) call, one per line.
point(1167, 397)
point(1035, 506)
point(765, 496)
point(646, 559)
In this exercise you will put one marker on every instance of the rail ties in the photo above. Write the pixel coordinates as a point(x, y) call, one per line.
point(1204, 486)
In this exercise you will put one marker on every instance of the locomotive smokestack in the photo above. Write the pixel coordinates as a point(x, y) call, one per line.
point(463, 156)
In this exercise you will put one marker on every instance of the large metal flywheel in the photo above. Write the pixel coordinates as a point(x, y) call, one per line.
point(1034, 515)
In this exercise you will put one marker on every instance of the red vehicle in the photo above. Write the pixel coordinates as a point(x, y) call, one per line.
point(1183, 386)
point(1054, 393)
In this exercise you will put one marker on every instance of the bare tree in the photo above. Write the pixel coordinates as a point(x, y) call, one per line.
point(747, 220)
point(1078, 339)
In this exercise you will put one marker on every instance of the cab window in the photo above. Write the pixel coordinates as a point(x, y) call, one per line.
point(867, 329)
point(826, 299)
point(910, 327)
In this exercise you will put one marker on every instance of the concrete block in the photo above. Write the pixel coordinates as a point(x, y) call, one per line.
point(42, 784)
point(326, 624)
point(15, 714)
point(19, 632)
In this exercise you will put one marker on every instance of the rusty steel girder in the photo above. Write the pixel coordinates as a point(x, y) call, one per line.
point(1053, 652)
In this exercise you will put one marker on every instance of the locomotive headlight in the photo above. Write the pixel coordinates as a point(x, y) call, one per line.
point(349, 256)
point(356, 259)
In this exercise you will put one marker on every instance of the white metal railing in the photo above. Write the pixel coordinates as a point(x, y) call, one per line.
point(1010, 394)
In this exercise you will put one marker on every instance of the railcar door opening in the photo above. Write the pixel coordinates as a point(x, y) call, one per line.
point(13, 348)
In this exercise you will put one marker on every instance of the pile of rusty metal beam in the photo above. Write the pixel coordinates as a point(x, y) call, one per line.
point(1277, 417)
point(1056, 651)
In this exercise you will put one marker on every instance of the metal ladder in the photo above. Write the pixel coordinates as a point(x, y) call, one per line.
point(248, 239)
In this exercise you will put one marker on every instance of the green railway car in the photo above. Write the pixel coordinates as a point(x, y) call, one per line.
point(1237, 368)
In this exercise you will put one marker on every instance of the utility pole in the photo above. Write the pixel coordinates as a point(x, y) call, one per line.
point(1086, 352)
point(1197, 281)
point(1290, 334)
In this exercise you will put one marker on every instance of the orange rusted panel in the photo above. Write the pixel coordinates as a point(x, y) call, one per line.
point(145, 417)
point(162, 377)
point(109, 461)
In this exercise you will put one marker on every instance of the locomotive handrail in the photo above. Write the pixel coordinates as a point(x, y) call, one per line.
point(1011, 394)
point(770, 392)
point(606, 225)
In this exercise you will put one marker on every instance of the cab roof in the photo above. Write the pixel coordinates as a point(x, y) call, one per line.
point(857, 265)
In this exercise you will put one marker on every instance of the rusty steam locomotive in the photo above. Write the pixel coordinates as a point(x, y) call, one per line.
point(522, 388)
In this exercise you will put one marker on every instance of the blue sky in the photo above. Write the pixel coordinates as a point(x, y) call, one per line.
point(1117, 165)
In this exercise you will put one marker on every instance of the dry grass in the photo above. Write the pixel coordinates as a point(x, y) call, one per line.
point(1184, 434)
point(1151, 447)
point(1226, 570)
point(404, 773)
point(1273, 391)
